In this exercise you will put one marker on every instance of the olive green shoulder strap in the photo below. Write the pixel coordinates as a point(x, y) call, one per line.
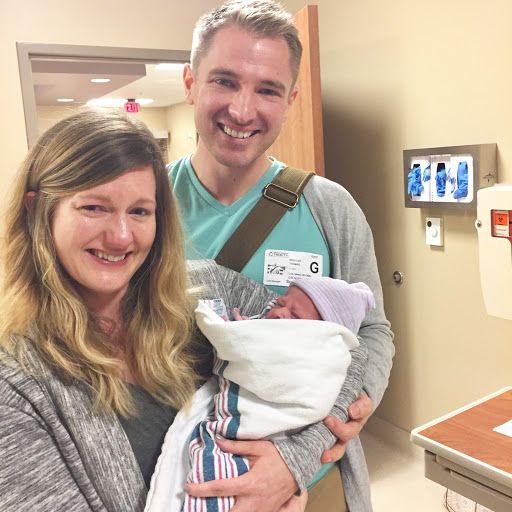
point(278, 196)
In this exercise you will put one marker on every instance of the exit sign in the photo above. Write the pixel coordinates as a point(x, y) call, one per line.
point(132, 107)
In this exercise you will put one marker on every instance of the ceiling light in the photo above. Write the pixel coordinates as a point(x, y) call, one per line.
point(170, 66)
point(144, 101)
point(106, 102)
point(100, 80)
point(65, 100)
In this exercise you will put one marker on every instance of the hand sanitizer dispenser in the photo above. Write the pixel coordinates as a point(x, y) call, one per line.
point(494, 225)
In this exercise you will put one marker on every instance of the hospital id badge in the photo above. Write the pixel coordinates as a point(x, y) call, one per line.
point(283, 267)
point(216, 305)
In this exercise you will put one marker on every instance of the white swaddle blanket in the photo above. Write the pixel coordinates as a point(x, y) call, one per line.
point(289, 371)
point(166, 492)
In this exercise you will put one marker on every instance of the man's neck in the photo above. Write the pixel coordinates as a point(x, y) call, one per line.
point(227, 184)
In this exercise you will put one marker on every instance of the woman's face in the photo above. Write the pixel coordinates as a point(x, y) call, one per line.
point(102, 235)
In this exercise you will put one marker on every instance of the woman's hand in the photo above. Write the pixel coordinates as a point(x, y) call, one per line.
point(266, 487)
point(359, 412)
point(238, 316)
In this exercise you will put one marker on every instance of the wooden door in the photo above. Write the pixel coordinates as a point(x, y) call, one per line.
point(301, 141)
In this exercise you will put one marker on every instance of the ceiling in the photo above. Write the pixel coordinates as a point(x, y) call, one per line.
point(55, 78)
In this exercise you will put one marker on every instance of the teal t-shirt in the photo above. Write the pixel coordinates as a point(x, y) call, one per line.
point(294, 247)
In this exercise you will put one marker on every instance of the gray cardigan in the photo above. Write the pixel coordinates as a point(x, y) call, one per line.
point(56, 453)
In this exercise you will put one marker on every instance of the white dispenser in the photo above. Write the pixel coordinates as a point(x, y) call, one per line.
point(494, 225)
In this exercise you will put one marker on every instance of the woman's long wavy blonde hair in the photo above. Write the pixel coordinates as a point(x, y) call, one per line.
point(40, 304)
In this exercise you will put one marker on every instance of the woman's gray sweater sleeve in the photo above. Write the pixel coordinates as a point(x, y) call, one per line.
point(235, 289)
point(56, 452)
point(33, 474)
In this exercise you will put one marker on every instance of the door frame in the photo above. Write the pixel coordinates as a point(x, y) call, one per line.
point(28, 51)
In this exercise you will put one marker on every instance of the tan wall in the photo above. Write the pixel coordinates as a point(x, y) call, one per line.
point(48, 116)
point(180, 120)
point(177, 121)
point(161, 24)
point(395, 75)
point(399, 75)
point(154, 118)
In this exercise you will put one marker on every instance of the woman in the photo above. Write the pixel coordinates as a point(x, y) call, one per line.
point(97, 349)
point(96, 320)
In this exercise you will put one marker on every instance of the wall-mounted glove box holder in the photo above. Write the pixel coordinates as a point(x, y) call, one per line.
point(448, 177)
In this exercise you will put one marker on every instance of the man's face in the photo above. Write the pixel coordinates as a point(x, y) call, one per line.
point(241, 92)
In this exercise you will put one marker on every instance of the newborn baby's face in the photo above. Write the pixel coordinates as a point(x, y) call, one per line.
point(295, 304)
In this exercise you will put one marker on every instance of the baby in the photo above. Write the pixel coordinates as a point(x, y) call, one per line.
point(276, 377)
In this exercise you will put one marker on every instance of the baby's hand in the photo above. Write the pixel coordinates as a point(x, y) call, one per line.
point(237, 316)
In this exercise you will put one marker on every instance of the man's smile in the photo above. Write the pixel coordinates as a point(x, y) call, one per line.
point(237, 134)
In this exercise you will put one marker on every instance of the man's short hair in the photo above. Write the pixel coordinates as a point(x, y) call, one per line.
point(263, 18)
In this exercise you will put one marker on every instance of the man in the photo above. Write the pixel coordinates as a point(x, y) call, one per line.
point(241, 81)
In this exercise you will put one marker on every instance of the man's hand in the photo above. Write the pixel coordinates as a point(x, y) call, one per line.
point(359, 412)
point(296, 503)
point(266, 487)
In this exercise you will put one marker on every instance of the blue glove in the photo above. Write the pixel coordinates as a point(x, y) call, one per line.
point(452, 180)
point(441, 180)
point(426, 174)
point(462, 181)
point(414, 186)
